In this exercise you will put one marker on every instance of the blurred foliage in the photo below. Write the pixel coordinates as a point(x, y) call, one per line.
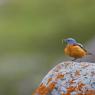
point(31, 34)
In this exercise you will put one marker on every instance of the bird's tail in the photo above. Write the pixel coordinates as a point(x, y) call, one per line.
point(88, 53)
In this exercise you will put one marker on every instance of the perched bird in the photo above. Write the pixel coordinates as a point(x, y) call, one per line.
point(74, 49)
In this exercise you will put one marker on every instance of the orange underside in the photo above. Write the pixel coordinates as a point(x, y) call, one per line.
point(74, 51)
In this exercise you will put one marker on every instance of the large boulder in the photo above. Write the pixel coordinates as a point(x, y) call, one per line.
point(69, 78)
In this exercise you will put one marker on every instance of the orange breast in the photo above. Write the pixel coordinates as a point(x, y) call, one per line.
point(74, 51)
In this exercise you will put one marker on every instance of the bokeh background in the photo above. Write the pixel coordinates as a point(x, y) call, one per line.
point(31, 33)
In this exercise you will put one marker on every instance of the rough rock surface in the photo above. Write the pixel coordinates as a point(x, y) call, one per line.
point(69, 78)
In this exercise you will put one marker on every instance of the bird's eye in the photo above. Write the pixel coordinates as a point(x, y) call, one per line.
point(68, 40)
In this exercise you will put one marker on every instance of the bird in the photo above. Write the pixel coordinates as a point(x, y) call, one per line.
point(75, 49)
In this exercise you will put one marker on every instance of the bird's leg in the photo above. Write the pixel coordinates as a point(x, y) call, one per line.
point(80, 60)
point(74, 59)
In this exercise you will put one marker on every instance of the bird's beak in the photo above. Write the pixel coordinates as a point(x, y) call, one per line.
point(65, 40)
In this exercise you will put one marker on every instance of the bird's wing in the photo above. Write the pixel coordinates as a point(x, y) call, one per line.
point(80, 45)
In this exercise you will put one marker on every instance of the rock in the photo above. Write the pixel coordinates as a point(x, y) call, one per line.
point(69, 78)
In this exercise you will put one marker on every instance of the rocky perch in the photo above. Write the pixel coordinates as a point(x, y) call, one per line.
point(69, 78)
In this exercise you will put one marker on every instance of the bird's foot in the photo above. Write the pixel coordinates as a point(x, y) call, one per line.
point(74, 59)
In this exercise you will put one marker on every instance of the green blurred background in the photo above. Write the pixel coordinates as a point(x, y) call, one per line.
point(31, 33)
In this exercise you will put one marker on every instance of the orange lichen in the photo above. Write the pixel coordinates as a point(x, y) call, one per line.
point(70, 89)
point(51, 86)
point(77, 73)
point(79, 86)
point(48, 81)
point(67, 93)
point(71, 81)
point(90, 92)
point(80, 94)
point(59, 76)
point(41, 90)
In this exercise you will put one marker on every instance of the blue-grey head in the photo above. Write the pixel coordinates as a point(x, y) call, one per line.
point(70, 41)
